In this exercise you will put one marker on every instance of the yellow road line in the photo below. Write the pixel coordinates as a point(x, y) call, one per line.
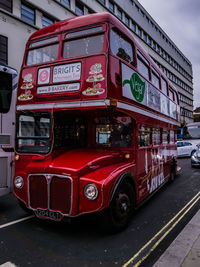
point(155, 236)
point(166, 233)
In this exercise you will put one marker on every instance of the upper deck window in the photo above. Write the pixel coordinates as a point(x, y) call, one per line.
point(120, 47)
point(164, 86)
point(42, 42)
point(84, 32)
point(83, 46)
point(171, 94)
point(143, 65)
point(42, 54)
point(155, 78)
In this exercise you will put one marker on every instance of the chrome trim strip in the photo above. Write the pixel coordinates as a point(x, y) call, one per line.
point(65, 105)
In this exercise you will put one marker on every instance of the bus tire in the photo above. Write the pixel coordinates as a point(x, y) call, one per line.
point(118, 215)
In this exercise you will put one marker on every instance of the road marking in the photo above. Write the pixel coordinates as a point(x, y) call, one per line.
point(17, 221)
point(193, 201)
point(8, 264)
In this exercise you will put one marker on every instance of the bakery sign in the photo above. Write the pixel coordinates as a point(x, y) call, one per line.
point(58, 88)
point(67, 72)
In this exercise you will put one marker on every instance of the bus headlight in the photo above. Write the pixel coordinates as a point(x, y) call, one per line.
point(91, 192)
point(19, 182)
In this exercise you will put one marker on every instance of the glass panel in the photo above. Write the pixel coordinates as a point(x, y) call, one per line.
point(165, 137)
point(156, 136)
point(155, 80)
point(114, 133)
point(120, 47)
point(79, 9)
point(69, 131)
point(164, 86)
point(33, 133)
point(5, 91)
point(43, 54)
point(46, 21)
point(65, 3)
point(143, 69)
point(27, 14)
point(144, 137)
point(42, 42)
point(84, 32)
point(83, 46)
point(171, 136)
point(111, 6)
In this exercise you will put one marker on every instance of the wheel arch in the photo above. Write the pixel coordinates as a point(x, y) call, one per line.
point(125, 177)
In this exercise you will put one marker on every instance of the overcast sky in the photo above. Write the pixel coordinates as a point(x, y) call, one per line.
point(180, 19)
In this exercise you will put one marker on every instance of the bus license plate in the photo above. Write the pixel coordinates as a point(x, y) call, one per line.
point(49, 214)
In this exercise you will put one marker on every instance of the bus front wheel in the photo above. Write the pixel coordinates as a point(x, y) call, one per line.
point(121, 208)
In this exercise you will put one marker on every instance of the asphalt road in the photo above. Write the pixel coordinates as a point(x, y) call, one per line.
point(35, 242)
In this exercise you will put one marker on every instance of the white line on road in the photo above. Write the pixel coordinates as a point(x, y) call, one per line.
point(8, 264)
point(17, 221)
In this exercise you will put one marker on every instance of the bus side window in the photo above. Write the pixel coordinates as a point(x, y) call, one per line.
point(144, 136)
point(155, 78)
point(164, 86)
point(171, 94)
point(121, 47)
point(143, 65)
point(172, 136)
point(165, 137)
point(156, 136)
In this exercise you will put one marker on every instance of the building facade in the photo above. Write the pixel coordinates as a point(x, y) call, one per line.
point(20, 18)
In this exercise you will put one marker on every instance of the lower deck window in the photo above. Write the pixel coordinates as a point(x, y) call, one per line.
point(144, 136)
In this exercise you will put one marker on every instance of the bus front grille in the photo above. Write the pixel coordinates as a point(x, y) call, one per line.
point(53, 192)
point(38, 192)
point(60, 197)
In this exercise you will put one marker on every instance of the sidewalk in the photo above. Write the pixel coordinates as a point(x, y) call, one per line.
point(185, 249)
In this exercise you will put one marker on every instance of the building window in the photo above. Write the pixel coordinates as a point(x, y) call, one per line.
point(46, 21)
point(6, 5)
point(127, 20)
point(102, 1)
point(139, 32)
point(144, 36)
point(27, 14)
point(3, 49)
point(65, 3)
point(79, 9)
point(133, 26)
point(119, 13)
point(111, 6)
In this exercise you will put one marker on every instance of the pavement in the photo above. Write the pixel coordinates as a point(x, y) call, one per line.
point(184, 251)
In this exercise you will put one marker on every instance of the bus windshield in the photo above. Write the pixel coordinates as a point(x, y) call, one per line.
point(33, 132)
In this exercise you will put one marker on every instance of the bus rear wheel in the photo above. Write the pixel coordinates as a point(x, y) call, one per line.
point(121, 208)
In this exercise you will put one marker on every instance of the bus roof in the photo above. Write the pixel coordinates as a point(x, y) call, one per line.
point(75, 22)
point(82, 21)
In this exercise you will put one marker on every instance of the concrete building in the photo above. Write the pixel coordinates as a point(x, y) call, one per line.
point(20, 18)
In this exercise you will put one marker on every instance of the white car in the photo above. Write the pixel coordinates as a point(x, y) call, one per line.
point(186, 148)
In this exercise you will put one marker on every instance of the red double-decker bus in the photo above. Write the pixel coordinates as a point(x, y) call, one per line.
point(96, 122)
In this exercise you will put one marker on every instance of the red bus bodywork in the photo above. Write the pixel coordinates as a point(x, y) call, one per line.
point(77, 98)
